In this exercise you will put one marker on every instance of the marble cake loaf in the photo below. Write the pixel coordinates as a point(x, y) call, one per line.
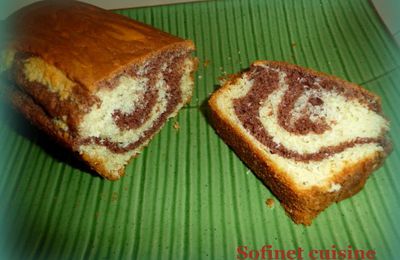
point(313, 139)
point(99, 82)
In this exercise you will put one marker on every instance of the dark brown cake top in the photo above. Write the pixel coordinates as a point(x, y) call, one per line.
point(88, 43)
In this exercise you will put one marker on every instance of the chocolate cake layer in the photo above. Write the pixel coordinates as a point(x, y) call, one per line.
point(266, 80)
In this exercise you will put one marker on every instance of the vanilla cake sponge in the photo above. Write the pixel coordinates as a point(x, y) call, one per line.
point(100, 83)
point(313, 139)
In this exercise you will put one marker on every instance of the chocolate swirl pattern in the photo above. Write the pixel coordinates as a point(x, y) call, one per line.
point(154, 92)
point(309, 111)
point(310, 123)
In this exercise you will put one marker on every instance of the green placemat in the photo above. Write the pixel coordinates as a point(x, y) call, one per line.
point(188, 196)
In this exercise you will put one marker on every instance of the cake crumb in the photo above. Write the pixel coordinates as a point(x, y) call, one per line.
point(206, 63)
point(200, 77)
point(294, 45)
point(270, 203)
point(176, 125)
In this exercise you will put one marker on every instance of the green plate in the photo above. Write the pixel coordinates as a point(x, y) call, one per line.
point(188, 196)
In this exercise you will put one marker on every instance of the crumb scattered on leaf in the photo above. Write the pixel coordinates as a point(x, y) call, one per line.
point(270, 203)
point(176, 125)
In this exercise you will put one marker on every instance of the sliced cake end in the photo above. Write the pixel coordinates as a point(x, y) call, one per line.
point(312, 138)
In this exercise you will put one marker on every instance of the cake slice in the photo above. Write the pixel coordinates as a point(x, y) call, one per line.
point(100, 83)
point(312, 138)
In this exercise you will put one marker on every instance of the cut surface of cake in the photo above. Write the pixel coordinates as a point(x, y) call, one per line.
point(100, 83)
point(312, 138)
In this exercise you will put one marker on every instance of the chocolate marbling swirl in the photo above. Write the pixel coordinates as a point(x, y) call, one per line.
point(265, 80)
point(127, 121)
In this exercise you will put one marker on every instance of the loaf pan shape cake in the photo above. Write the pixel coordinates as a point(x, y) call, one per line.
point(100, 83)
point(313, 139)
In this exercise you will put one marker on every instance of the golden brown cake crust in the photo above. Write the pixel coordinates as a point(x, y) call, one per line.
point(87, 43)
point(301, 205)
